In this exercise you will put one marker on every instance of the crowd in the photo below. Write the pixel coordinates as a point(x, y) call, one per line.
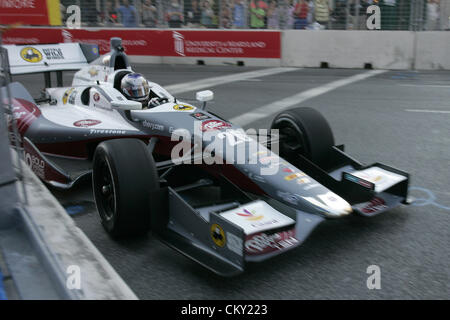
point(254, 14)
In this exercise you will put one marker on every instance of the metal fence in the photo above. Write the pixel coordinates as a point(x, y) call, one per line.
point(262, 14)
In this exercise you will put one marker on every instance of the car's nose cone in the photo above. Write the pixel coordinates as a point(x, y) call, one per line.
point(331, 204)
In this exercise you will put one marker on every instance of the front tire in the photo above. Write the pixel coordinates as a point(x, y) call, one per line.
point(304, 131)
point(124, 175)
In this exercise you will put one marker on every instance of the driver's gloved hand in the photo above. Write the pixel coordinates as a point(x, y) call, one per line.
point(154, 102)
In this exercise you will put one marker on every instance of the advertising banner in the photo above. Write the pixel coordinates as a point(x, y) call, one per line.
point(168, 43)
point(30, 12)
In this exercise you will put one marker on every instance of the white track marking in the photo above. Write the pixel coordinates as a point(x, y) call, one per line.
point(286, 103)
point(424, 85)
point(427, 111)
point(216, 81)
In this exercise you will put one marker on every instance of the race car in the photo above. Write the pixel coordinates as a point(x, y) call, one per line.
point(221, 196)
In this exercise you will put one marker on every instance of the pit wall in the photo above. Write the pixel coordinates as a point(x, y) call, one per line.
point(398, 50)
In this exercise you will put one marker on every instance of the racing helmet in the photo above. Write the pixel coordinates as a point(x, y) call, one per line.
point(135, 87)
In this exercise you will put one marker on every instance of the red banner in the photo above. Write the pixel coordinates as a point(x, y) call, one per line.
point(169, 43)
point(32, 12)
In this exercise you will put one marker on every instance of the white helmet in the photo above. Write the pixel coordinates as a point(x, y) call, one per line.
point(135, 87)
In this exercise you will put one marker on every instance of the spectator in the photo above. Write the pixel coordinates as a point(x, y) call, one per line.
point(193, 14)
point(273, 16)
point(301, 14)
point(149, 14)
point(340, 14)
point(110, 14)
point(226, 18)
point(89, 13)
point(257, 16)
point(175, 14)
point(286, 14)
point(432, 15)
point(207, 15)
point(127, 14)
point(322, 12)
point(239, 20)
point(310, 17)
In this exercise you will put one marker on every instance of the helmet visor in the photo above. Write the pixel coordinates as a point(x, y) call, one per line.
point(140, 91)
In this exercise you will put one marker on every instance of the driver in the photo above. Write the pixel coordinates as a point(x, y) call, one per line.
point(135, 87)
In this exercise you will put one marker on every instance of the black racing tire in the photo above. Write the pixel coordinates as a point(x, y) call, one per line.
point(304, 131)
point(123, 177)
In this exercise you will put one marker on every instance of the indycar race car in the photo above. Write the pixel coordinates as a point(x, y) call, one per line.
point(218, 195)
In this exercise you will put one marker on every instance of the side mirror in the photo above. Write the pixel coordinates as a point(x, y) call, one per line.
point(204, 96)
point(126, 105)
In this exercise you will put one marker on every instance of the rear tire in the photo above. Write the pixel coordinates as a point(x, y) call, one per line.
point(304, 131)
point(124, 175)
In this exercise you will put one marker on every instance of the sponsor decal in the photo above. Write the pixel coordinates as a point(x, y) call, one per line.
point(86, 123)
point(234, 137)
point(178, 43)
point(288, 170)
point(269, 159)
point(218, 235)
point(183, 107)
point(96, 97)
point(53, 54)
point(107, 131)
point(24, 113)
point(303, 181)
point(153, 126)
point(250, 215)
point(289, 197)
point(294, 176)
point(374, 205)
point(214, 125)
point(311, 186)
point(30, 54)
point(362, 182)
point(328, 201)
point(66, 95)
point(93, 72)
point(234, 243)
point(72, 97)
point(200, 116)
point(36, 164)
point(262, 243)
point(256, 177)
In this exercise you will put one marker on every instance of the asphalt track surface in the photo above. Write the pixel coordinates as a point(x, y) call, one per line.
point(411, 244)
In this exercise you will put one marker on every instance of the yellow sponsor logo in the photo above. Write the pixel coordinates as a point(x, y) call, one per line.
point(93, 72)
point(303, 181)
point(218, 235)
point(183, 107)
point(31, 54)
point(66, 95)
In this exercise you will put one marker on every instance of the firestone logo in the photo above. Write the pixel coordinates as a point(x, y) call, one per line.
point(178, 43)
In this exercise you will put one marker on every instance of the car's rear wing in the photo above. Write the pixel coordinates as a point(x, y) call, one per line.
point(47, 58)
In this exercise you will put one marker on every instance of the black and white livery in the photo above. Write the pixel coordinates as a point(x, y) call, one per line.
point(119, 129)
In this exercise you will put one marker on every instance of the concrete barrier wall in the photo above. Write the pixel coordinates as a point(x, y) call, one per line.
point(348, 49)
point(397, 50)
point(433, 50)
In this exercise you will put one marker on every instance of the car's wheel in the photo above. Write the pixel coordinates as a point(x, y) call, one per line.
point(304, 131)
point(124, 174)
